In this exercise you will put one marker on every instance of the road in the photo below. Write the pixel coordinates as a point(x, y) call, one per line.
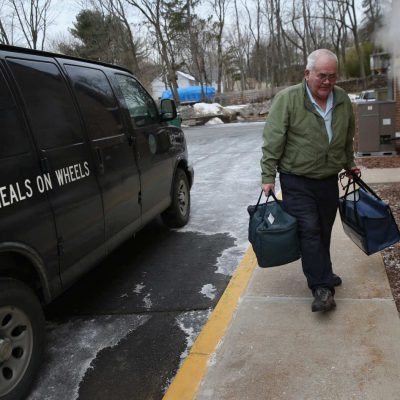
point(123, 330)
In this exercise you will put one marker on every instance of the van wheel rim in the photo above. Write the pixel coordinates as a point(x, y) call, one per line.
point(16, 346)
point(183, 197)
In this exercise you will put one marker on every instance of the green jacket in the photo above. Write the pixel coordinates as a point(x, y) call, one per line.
point(295, 137)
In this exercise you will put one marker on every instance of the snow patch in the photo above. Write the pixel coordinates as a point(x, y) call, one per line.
point(191, 324)
point(208, 291)
point(205, 108)
point(212, 360)
point(215, 121)
point(71, 349)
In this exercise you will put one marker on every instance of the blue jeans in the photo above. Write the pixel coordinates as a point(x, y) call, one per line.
point(313, 202)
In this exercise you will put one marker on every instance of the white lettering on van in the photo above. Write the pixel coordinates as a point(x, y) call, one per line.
point(43, 183)
point(86, 166)
point(47, 181)
point(3, 196)
point(20, 195)
point(40, 184)
point(67, 177)
point(29, 192)
point(72, 173)
point(78, 171)
point(13, 195)
point(16, 192)
point(60, 177)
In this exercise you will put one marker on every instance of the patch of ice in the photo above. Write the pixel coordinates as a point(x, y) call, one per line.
point(71, 349)
point(147, 301)
point(208, 291)
point(138, 288)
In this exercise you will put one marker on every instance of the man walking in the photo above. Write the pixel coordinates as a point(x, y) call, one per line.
point(308, 138)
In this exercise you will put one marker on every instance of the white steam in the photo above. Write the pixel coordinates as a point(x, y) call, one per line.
point(389, 35)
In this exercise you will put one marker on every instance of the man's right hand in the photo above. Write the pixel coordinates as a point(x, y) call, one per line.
point(266, 187)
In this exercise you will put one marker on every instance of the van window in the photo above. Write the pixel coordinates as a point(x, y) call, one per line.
point(140, 105)
point(50, 107)
point(13, 138)
point(96, 100)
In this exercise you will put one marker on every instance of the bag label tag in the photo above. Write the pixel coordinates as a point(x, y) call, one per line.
point(271, 218)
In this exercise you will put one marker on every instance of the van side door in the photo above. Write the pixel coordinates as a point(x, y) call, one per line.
point(27, 223)
point(152, 144)
point(68, 173)
point(116, 166)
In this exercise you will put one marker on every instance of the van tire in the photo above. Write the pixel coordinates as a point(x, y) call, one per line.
point(177, 215)
point(22, 328)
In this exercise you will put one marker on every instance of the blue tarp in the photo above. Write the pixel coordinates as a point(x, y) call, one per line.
point(191, 93)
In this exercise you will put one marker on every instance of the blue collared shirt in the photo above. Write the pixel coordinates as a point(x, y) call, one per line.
point(327, 114)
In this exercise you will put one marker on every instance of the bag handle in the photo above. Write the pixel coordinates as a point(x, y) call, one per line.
point(355, 178)
point(363, 185)
point(270, 193)
point(351, 181)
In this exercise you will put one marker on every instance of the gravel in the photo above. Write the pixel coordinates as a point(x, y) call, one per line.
point(391, 256)
point(389, 192)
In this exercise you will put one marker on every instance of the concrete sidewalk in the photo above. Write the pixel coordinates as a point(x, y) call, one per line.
point(276, 348)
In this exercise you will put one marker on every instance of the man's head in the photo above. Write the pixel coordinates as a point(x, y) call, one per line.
point(320, 73)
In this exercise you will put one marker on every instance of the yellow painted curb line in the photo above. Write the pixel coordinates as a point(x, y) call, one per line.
point(189, 376)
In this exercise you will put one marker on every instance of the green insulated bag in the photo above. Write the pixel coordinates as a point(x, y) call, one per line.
point(273, 233)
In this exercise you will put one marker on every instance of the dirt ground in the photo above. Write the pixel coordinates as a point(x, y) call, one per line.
point(389, 192)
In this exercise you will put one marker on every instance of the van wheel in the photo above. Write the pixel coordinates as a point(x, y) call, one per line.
point(177, 215)
point(21, 338)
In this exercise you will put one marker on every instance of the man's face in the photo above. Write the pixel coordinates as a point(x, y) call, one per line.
point(321, 78)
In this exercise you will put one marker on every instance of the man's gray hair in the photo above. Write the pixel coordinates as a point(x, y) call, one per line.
point(313, 57)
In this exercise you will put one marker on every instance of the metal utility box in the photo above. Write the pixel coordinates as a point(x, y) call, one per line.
point(376, 127)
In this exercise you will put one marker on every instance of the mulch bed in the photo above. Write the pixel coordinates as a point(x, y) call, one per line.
point(389, 192)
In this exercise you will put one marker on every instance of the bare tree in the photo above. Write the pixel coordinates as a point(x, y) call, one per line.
point(152, 12)
point(280, 41)
point(335, 18)
point(352, 14)
point(240, 48)
point(220, 8)
point(255, 30)
point(33, 20)
point(117, 8)
point(3, 34)
point(195, 29)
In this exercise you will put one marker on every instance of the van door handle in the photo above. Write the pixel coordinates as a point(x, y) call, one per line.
point(100, 160)
point(45, 164)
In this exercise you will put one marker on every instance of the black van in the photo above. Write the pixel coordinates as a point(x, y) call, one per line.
point(86, 160)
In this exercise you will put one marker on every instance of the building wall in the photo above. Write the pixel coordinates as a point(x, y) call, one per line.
point(397, 99)
point(157, 88)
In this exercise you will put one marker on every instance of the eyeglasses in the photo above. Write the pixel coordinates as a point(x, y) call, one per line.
point(329, 77)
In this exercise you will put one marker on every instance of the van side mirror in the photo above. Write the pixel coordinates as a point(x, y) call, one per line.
point(168, 110)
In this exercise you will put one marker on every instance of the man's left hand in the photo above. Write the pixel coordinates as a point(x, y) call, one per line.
point(353, 171)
